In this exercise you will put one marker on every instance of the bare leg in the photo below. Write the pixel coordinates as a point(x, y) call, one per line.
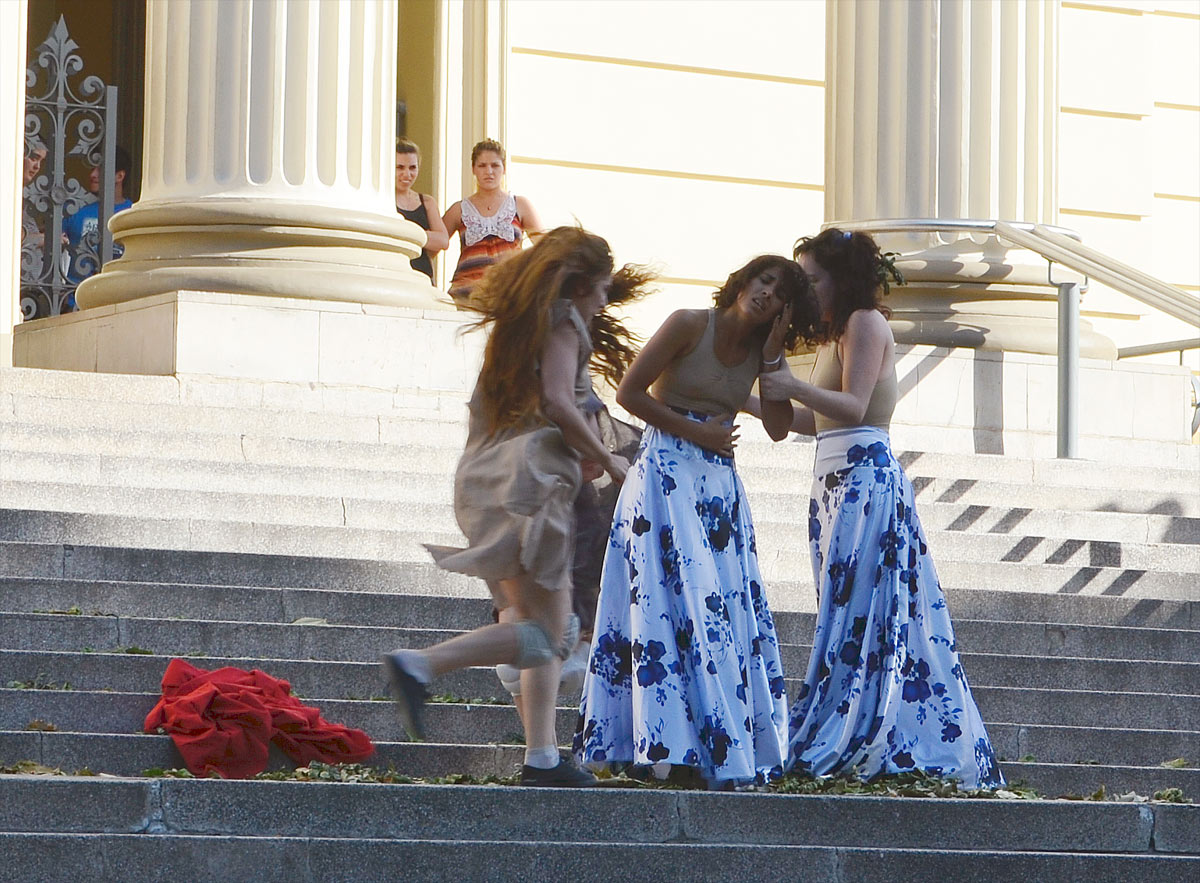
point(491, 644)
point(539, 686)
point(509, 614)
point(486, 645)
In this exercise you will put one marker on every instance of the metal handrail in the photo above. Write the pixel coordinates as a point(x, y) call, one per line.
point(1154, 349)
point(1121, 277)
point(940, 225)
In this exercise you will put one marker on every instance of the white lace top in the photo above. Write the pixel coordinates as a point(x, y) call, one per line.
point(476, 226)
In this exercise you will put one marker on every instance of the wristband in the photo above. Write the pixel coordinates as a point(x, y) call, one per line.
point(774, 362)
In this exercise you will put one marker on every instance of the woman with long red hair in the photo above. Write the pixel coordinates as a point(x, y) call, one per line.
point(516, 483)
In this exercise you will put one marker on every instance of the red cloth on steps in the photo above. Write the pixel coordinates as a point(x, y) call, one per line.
point(223, 721)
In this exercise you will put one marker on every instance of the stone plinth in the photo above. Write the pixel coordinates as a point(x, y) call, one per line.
point(965, 400)
point(289, 340)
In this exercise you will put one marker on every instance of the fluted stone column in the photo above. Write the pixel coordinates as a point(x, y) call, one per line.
point(268, 157)
point(947, 109)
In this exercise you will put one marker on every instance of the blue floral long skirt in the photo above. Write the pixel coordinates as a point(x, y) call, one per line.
point(685, 666)
point(885, 691)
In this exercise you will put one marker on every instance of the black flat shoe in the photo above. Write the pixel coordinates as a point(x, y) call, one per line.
point(410, 695)
point(566, 775)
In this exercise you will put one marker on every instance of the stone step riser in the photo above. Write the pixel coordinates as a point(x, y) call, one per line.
point(387, 612)
point(107, 580)
point(358, 512)
point(778, 542)
point(319, 681)
point(434, 446)
point(417, 575)
point(129, 755)
point(599, 815)
point(431, 478)
point(192, 638)
point(124, 713)
point(66, 858)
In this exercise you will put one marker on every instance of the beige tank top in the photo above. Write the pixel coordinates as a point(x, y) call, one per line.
point(827, 374)
point(700, 382)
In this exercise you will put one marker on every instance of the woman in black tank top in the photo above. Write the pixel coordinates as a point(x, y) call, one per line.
point(420, 208)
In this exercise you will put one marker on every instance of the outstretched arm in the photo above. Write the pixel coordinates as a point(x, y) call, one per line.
point(864, 347)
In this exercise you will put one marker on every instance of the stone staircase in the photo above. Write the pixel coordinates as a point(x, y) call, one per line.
point(211, 520)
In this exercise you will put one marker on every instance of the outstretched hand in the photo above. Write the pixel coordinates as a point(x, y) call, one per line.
point(777, 385)
point(713, 435)
point(772, 351)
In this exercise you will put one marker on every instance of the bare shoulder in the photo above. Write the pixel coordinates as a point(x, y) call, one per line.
point(685, 325)
point(868, 323)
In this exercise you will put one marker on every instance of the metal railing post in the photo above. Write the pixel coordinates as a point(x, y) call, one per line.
point(1068, 370)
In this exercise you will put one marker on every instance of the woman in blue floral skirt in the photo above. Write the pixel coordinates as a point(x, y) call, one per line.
point(885, 691)
point(684, 667)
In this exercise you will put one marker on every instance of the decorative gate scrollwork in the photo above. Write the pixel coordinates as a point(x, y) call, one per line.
point(64, 121)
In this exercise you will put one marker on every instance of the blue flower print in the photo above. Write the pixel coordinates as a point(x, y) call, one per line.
point(657, 751)
point(650, 670)
point(695, 618)
point(716, 739)
point(612, 658)
point(717, 522)
point(871, 703)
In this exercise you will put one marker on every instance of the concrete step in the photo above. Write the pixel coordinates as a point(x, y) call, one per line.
point(124, 713)
point(354, 511)
point(778, 542)
point(598, 815)
point(68, 857)
point(788, 575)
point(130, 754)
point(200, 419)
point(149, 600)
point(321, 680)
point(357, 577)
point(275, 641)
point(426, 474)
point(761, 464)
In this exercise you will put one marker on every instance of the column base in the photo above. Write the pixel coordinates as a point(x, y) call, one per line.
point(983, 295)
point(262, 338)
point(265, 247)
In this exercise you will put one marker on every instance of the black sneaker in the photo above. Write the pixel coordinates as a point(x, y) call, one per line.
point(410, 695)
point(566, 775)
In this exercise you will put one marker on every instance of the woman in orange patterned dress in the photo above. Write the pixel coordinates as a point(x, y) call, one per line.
point(490, 222)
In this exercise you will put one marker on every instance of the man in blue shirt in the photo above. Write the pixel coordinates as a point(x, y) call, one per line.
point(86, 221)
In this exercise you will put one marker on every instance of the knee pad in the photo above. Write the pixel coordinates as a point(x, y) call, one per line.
point(533, 645)
point(510, 678)
point(570, 637)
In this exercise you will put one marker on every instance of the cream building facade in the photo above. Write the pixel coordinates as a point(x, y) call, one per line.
point(691, 135)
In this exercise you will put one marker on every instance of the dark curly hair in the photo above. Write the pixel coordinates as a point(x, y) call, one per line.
point(793, 285)
point(859, 271)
